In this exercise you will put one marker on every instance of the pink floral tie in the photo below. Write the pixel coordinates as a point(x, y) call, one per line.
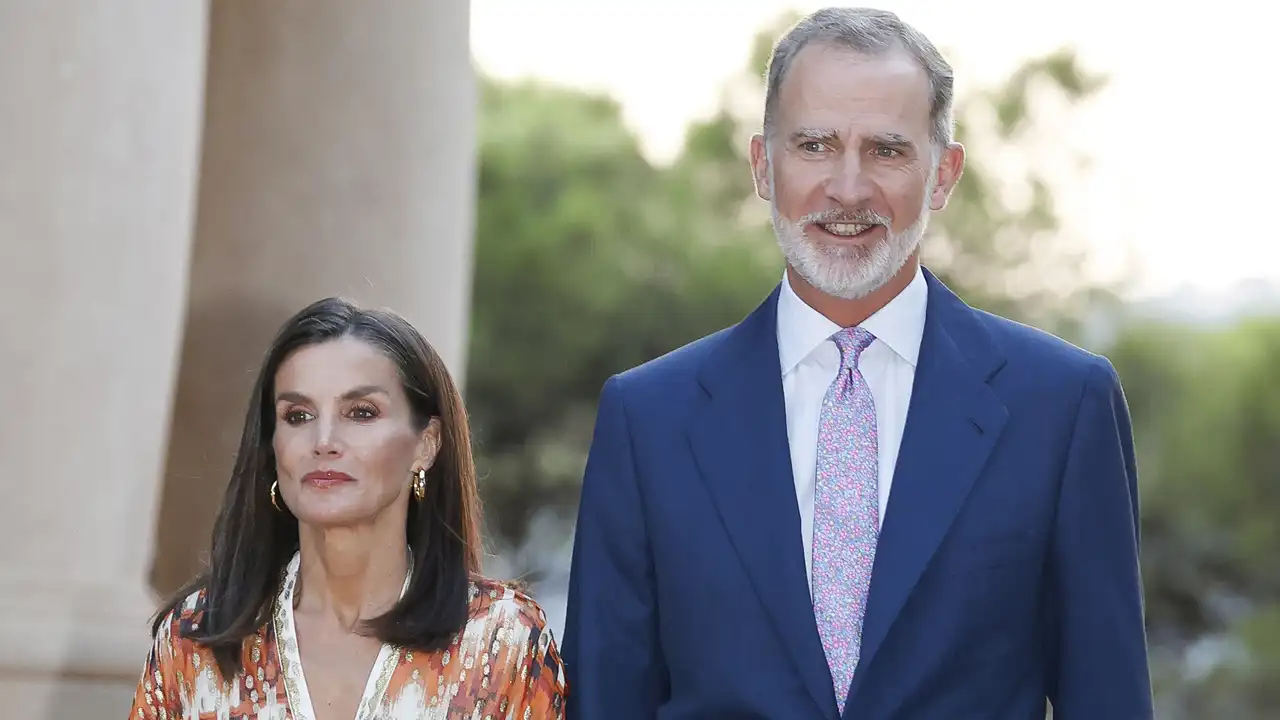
point(846, 511)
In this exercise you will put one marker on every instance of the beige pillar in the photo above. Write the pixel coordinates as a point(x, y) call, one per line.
point(338, 159)
point(100, 113)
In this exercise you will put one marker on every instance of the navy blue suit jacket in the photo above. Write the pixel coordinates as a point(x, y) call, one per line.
point(1006, 571)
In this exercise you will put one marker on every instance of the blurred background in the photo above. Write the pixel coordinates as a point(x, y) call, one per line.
point(554, 192)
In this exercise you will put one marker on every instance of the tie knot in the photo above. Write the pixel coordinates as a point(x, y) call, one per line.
point(852, 341)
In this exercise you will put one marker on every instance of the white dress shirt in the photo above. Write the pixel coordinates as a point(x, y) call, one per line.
point(810, 360)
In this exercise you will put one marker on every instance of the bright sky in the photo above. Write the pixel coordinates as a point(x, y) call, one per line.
point(1177, 141)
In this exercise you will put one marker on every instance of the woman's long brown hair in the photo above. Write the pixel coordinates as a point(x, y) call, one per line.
point(253, 542)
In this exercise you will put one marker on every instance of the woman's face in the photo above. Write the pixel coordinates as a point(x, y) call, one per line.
point(345, 443)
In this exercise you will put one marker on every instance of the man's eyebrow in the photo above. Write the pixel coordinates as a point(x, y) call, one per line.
point(892, 140)
point(814, 135)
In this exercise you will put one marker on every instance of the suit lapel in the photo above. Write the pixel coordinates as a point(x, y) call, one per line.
point(740, 443)
point(953, 423)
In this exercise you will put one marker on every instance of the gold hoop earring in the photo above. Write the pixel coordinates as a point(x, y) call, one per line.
point(275, 484)
point(420, 483)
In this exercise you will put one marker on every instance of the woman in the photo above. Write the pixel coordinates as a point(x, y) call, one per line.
point(343, 580)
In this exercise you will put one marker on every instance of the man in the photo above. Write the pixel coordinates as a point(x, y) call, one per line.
point(866, 500)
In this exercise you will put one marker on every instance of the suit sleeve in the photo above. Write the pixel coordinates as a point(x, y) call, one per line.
point(1100, 663)
point(611, 651)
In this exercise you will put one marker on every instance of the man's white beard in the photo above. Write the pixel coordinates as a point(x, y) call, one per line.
point(850, 272)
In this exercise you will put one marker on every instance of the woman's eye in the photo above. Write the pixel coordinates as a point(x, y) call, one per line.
point(297, 417)
point(361, 412)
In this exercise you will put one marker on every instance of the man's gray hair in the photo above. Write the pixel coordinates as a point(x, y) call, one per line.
point(868, 32)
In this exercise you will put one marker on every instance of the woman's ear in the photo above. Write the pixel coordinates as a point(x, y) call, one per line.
point(429, 445)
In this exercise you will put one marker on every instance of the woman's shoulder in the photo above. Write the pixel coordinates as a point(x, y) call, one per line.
point(510, 624)
point(505, 603)
point(172, 640)
point(183, 615)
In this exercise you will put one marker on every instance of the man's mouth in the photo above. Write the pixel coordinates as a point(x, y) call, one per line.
point(847, 229)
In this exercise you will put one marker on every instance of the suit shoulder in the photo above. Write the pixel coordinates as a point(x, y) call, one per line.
point(1041, 350)
point(674, 366)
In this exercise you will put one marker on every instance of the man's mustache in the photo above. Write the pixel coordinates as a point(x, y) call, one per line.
point(862, 217)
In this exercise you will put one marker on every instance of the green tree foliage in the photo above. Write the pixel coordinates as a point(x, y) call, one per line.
point(1206, 404)
point(588, 260)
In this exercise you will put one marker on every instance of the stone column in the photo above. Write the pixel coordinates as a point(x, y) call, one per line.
point(100, 114)
point(338, 160)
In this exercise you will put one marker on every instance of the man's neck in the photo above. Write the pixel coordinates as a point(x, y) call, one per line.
point(847, 313)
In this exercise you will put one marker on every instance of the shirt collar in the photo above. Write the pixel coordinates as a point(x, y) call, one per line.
point(899, 324)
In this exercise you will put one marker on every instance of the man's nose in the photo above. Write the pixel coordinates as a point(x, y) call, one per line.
point(849, 185)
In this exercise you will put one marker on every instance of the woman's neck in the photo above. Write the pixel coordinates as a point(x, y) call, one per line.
point(349, 574)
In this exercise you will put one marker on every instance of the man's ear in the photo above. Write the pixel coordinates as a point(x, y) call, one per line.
point(760, 167)
point(950, 168)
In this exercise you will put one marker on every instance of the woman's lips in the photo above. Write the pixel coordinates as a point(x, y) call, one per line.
point(326, 478)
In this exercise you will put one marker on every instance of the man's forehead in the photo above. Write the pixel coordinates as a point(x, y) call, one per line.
point(830, 61)
point(840, 88)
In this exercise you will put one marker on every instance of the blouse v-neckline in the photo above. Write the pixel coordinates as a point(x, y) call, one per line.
point(295, 681)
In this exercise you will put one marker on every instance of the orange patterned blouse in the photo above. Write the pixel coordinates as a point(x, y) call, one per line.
point(504, 664)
